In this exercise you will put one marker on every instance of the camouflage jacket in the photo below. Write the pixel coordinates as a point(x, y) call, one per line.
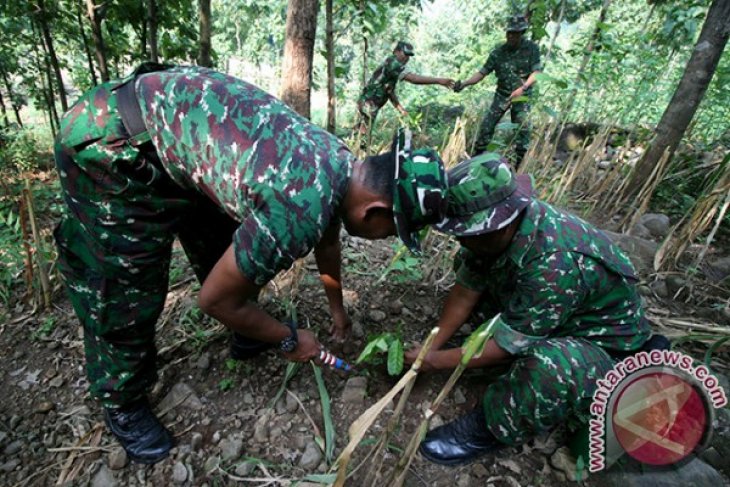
point(512, 66)
point(382, 83)
point(274, 171)
point(560, 277)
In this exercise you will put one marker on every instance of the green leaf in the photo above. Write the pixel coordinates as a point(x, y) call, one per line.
point(329, 426)
point(321, 478)
point(395, 357)
point(376, 345)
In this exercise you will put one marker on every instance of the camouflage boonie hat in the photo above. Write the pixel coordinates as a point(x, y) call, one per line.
point(484, 195)
point(419, 193)
point(406, 47)
point(517, 23)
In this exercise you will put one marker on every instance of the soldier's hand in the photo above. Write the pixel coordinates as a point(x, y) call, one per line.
point(517, 93)
point(449, 83)
point(458, 86)
point(307, 349)
point(411, 355)
point(341, 326)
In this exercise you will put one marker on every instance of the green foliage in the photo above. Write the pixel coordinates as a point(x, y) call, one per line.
point(225, 384)
point(329, 425)
point(47, 326)
point(20, 150)
point(385, 343)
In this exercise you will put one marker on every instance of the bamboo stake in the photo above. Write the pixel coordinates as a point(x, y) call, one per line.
point(361, 425)
point(473, 348)
point(28, 257)
point(40, 259)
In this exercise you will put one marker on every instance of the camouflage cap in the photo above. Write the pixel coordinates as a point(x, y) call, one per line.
point(419, 195)
point(484, 195)
point(517, 23)
point(406, 47)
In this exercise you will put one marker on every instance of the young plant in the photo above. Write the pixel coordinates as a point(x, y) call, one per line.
point(389, 343)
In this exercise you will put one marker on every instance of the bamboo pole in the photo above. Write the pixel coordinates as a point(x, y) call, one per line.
point(39, 250)
point(28, 257)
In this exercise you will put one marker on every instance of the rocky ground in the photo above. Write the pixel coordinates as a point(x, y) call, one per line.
point(228, 432)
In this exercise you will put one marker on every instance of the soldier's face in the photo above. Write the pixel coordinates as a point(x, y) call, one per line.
point(513, 38)
point(401, 56)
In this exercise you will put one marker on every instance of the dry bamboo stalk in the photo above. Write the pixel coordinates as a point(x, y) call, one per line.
point(472, 349)
point(28, 257)
point(45, 285)
point(361, 425)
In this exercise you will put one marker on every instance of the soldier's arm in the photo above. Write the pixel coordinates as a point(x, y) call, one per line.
point(475, 78)
point(417, 79)
point(394, 100)
point(328, 254)
point(228, 296)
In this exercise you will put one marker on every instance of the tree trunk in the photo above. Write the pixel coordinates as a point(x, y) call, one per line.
point(205, 26)
point(143, 39)
point(96, 18)
point(152, 27)
point(557, 32)
point(85, 43)
point(43, 22)
point(296, 71)
point(11, 96)
point(330, 47)
point(4, 111)
point(587, 55)
point(46, 89)
point(692, 87)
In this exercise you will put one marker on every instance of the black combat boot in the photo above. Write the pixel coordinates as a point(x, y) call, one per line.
point(139, 431)
point(460, 441)
point(243, 348)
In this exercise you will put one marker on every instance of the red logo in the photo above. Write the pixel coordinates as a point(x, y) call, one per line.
point(660, 418)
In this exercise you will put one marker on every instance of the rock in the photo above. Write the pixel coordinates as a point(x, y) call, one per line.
point(719, 269)
point(13, 448)
point(3, 438)
point(203, 361)
point(15, 421)
point(103, 478)
point(291, 404)
point(659, 287)
point(357, 329)
point(56, 382)
point(641, 231)
point(645, 291)
point(564, 461)
point(395, 307)
point(211, 464)
point(244, 469)
point(179, 473)
point(640, 251)
point(377, 315)
point(436, 421)
point(355, 390)
point(656, 223)
point(10, 465)
point(459, 397)
point(674, 284)
point(118, 459)
point(280, 406)
point(311, 457)
point(479, 470)
point(181, 395)
point(231, 448)
point(44, 407)
point(261, 429)
point(196, 440)
point(464, 480)
point(695, 472)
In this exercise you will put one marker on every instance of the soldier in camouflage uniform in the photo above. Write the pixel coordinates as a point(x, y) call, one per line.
point(381, 87)
point(245, 184)
point(568, 302)
point(515, 63)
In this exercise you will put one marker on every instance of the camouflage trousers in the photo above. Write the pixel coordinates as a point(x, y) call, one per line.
point(518, 112)
point(551, 383)
point(115, 245)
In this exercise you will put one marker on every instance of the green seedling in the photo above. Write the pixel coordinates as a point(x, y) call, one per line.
point(389, 343)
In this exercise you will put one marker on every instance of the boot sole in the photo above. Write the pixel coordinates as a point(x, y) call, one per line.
point(452, 463)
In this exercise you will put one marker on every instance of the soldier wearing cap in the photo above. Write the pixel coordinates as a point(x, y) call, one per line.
point(244, 183)
point(568, 305)
point(381, 86)
point(515, 63)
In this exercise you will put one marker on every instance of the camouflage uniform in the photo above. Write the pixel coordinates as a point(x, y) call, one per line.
point(379, 89)
point(568, 299)
point(226, 162)
point(512, 67)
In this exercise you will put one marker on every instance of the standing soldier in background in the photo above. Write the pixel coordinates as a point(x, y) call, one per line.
point(515, 63)
point(381, 88)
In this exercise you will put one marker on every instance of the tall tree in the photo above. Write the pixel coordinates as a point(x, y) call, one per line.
point(152, 28)
point(85, 44)
point(330, 48)
point(11, 95)
point(692, 87)
point(42, 19)
point(96, 16)
point(204, 58)
point(4, 111)
point(296, 72)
